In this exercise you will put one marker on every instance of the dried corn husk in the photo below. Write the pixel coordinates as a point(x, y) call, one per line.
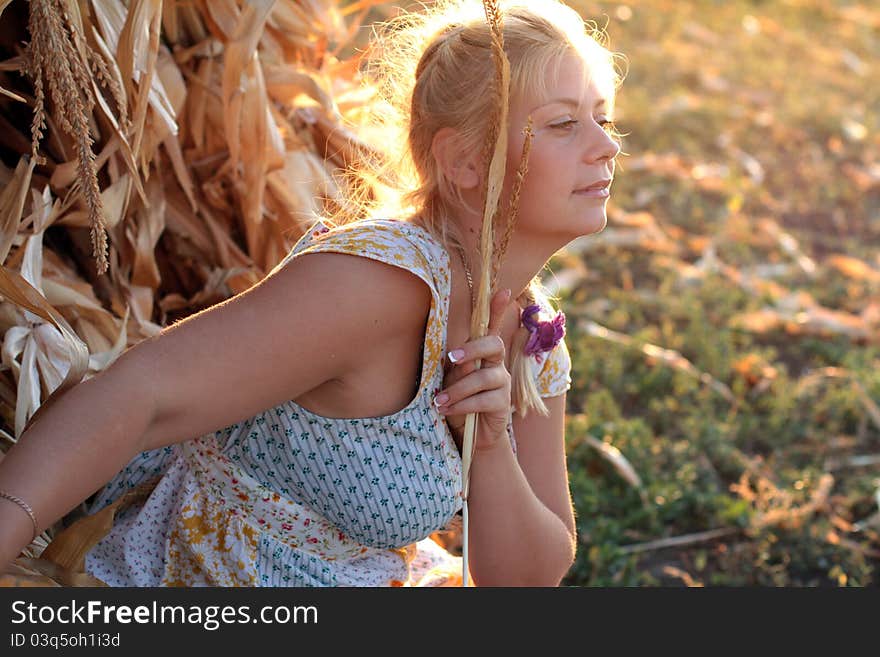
point(212, 137)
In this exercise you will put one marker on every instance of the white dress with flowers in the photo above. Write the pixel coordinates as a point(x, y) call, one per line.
point(291, 498)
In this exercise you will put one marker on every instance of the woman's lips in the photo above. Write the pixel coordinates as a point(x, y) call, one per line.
point(599, 190)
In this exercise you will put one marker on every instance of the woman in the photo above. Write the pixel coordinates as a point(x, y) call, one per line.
point(307, 431)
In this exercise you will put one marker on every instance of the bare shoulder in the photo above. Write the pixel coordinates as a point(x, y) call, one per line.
point(382, 295)
point(307, 323)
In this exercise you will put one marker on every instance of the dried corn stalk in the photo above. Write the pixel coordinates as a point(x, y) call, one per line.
point(182, 147)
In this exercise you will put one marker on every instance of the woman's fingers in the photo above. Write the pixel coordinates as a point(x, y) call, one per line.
point(480, 348)
point(488, 348)
point(488, 379)
point(487, 390)
point(488, 401)
point(497, 307)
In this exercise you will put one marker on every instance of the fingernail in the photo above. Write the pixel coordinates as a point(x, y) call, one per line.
point(456, 355)
point(507, 294)
point(441, 399)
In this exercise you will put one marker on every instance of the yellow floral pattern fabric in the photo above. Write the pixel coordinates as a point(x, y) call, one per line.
point(554, 371)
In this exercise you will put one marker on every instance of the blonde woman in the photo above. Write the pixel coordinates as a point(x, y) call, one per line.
point(307, 432)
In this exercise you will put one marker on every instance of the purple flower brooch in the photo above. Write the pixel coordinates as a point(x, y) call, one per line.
point(545, 334)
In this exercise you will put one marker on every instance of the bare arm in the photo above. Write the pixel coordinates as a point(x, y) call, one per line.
point(304, 325)
point(521, 518)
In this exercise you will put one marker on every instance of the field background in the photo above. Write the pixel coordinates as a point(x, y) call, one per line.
point(742, 238)
point(723, 427)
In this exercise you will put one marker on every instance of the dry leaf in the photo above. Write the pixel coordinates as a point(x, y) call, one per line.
point(12, 200)
point(68, 549)
point(614, 456)
point(26, 571)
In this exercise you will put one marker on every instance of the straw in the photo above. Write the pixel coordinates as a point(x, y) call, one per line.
point(496, 144)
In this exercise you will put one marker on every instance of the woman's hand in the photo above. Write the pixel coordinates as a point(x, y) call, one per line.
point(486, 390)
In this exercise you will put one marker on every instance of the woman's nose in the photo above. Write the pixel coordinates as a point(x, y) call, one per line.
point(602, 146)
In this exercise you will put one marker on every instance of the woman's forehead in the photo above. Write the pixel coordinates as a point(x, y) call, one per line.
point(571, 82)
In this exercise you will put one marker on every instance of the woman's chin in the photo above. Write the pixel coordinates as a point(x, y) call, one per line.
point(594, 224)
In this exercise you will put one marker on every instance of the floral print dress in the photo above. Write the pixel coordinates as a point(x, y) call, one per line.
point(291, 498)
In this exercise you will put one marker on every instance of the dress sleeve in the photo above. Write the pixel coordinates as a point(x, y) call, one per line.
point(554, 377)
point(377, 240)
point(393, 243)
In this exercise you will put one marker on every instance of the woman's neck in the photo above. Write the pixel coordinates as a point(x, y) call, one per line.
point(524, 259)
point(525, 256)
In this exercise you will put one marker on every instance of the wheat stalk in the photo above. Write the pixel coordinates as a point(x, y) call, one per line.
point(496, 145)
point(55, 54)
point(513, 212)
point(103, 75)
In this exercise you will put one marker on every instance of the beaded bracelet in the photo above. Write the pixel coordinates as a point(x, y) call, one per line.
point(27, 509)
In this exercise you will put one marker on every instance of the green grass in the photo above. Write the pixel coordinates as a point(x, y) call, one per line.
point(717, 87)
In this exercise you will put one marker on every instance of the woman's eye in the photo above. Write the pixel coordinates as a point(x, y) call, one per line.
point(606, 124)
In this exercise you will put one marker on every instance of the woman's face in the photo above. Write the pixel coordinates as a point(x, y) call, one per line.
point(571, 162)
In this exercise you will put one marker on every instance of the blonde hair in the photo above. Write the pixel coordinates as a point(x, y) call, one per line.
point(427, 68)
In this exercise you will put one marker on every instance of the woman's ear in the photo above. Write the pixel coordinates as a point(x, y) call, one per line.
point(459, 168)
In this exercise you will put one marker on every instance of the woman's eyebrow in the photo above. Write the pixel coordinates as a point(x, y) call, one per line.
point(570, 101)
